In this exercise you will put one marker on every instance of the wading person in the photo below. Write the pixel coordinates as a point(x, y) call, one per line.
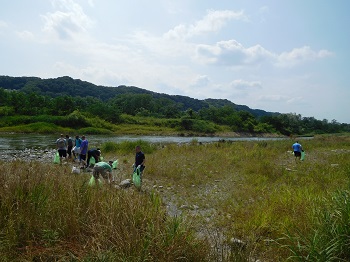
point(297, 149)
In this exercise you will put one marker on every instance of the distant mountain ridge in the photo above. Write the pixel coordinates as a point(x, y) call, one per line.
point(66, 85)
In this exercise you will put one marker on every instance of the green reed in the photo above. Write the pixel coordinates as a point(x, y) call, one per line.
point(235, 201)
point(47, 213)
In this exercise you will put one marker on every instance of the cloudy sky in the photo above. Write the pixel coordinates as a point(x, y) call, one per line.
point(288, 56)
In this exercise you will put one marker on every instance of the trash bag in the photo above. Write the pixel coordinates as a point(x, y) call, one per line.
point(302, 158)
point(56, 158)
point(136, 178)
point(75, 170)
point(92, 161)
point(115, 164)
point(92, 181)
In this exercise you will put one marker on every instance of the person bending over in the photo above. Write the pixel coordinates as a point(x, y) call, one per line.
point(95, 153)
point(104, 169)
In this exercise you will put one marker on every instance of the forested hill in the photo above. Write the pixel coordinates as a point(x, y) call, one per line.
point(66, 85)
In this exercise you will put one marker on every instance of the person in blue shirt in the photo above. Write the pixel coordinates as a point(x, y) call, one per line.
point(83, 149)
point(76, 148)
point(297, 149)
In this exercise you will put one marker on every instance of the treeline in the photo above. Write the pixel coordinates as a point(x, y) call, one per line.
point(73, 111)
point(67, 86)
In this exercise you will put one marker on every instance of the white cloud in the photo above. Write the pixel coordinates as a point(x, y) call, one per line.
point(201, 81)
point(263, 11)
point(25, 35)
point(232, 53)
point(212, 22)
point(3, 24)
point(300, 55)
point(240, 84)
point(67, 21)
point(273, 98)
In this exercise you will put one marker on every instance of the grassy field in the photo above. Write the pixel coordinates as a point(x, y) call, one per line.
point(225, 201)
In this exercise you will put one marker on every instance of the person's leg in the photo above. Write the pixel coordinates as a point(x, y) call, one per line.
point(109, 177)
point(69, 151)
point(60, 153)
point(88, 159)
point(82, 159)
point(64, 152)
point(96, 173)
point(141, 172)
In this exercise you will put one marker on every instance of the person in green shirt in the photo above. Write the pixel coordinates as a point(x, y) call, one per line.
point(104, 169)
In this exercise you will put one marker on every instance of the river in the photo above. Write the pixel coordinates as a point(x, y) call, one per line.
point(39, 141)
point(42, 147)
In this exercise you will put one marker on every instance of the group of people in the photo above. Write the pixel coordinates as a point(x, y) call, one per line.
point(79, 148)
point(81, 152)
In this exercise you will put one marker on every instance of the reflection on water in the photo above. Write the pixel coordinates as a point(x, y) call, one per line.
point(38, 141)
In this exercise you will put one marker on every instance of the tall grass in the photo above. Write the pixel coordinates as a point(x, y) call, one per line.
point(329, 237)
point(47, 213)
point(126, 147)
point(235, 201)
point(252, 191)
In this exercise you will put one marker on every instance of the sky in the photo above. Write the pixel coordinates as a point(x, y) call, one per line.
point(287, 56)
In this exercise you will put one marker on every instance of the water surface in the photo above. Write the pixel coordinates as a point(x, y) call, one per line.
point(39, 141)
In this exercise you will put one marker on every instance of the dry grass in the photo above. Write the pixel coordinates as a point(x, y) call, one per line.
point(252, 191)
point(47, 213)
point(238, 197)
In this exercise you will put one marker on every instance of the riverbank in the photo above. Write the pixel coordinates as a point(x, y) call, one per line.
point(239, 198)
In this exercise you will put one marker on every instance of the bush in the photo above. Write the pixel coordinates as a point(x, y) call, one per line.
point(75, 120)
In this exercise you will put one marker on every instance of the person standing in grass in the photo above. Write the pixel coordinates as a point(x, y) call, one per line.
point(69, 146)
point(140, 160)
point(61, 144)
point(76, 148)
point(83, 149)
point(297, 149)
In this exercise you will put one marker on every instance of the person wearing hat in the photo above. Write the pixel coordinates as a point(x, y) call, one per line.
point(104, 169)
point(95, 153)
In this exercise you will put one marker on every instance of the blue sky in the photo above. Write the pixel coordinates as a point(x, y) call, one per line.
point(287, 56)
